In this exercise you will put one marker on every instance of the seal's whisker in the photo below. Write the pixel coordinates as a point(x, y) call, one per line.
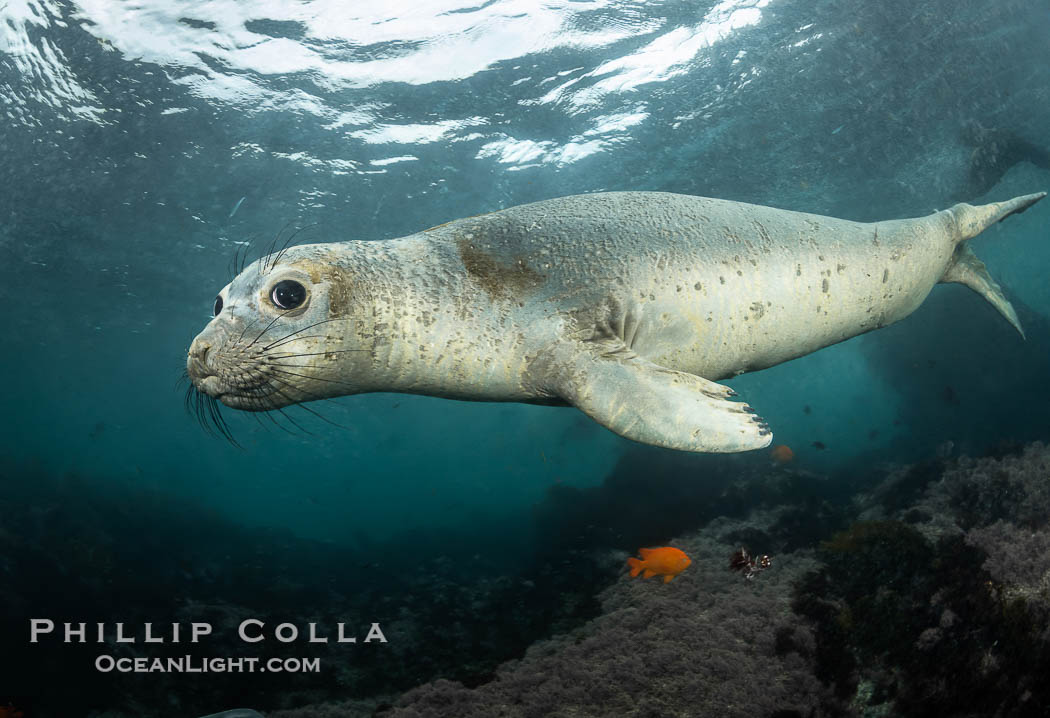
point(319, 415)
point(269, 415)
point(287, 243)
point(289, 341)
point(235, 260)
point(308, 326)
point(219, 421)
point(263, 269)
point(258, 419)
point(314, 378)
point(294, 366)
point(309, 397)
point(205, 409)
point(285, 414)
point(256, 401)
point(314, 354)
point(188, 399)
point(247, 326)
point(272, 322)
point(244, 257)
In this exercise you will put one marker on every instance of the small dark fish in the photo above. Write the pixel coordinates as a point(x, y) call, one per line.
point(819, 445)
point(949, 396)
point(806, 409)
point(873, 434)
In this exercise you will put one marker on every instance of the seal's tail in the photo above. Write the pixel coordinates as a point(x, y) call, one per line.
point(970, 221)
point(965, 267)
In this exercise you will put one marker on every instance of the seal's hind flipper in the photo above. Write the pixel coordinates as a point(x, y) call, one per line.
point(966, 222)
point(654, 405)
point(967, 269)
point(970, 220)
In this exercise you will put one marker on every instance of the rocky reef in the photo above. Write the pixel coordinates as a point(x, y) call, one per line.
point(906, 591)
point(930, 598)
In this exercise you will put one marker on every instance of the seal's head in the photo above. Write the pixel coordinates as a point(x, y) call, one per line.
point(284, 332)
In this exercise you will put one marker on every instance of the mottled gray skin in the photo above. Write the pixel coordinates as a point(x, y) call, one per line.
point(627, 305)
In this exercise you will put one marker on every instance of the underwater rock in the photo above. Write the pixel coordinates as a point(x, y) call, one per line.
point(705, 644)
point(940, 605)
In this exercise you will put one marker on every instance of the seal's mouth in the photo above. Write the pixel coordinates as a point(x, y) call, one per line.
point(255, 395)
point(212, 386)
point(226, 377)
point(207, 391)
point(242, 372)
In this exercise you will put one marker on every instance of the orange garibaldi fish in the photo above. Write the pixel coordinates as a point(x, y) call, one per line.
point(665, 561)
point(782, 454)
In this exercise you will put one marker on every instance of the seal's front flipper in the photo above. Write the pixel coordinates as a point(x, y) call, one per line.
point(654, 405)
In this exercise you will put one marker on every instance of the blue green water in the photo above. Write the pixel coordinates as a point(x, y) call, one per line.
point(144, 143)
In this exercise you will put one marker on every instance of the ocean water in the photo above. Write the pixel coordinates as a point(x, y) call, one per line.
point(147, 143)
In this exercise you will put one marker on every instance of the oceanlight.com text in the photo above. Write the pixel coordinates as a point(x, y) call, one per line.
point(191, 664)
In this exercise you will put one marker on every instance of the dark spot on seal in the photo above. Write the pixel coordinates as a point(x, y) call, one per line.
point(339, 295)
point(697, 286)
point(761, 230)
point(197, 24)
point(758, 309)
point(824, 286)
point(885, 275)
point(497, 279)
point(840, 268)
point(798, 270)
point(722, 280)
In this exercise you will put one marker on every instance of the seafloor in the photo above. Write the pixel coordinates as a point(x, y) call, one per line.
point(932, 597)
point(912, 591)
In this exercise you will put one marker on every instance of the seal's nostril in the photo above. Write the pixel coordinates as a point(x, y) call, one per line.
point(199, 349)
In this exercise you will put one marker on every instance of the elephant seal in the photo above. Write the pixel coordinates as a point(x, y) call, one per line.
point(627, 305)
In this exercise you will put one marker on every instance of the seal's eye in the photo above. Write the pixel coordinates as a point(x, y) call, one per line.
point(218, 306)
point(288, 294)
